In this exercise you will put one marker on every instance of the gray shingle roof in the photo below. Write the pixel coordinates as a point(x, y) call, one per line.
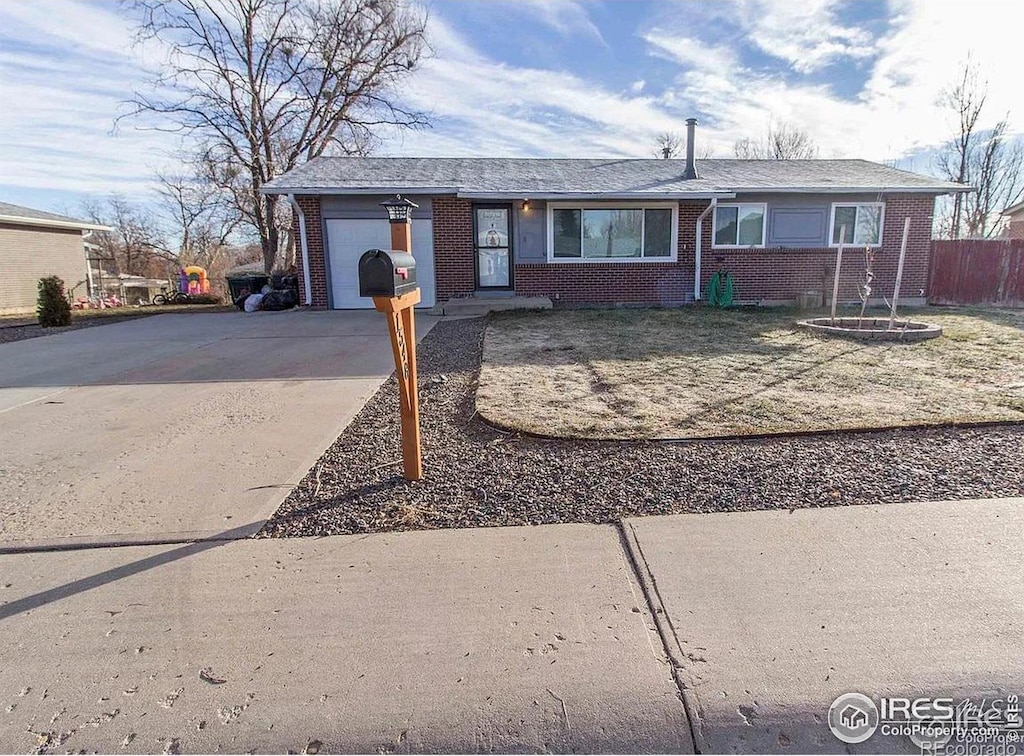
point(12, 212)
point(553, 177)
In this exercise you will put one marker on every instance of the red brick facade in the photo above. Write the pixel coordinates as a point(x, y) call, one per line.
point(454, 267)
point(771, 275)
point(779, 275)
point(315, 245)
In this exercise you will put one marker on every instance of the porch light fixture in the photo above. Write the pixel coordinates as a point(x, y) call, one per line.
point(399, 209)
point(526, 205)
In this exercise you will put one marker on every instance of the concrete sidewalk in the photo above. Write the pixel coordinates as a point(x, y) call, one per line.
point(515, 639)
point(774, 614)
point(512, 639)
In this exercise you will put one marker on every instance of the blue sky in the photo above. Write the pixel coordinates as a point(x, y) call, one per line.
point(543, 78)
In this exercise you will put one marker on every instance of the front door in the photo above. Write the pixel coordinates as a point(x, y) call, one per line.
point(493, 244)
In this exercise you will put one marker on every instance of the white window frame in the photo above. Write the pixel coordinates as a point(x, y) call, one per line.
point(764, 225)
point(674, 239)
point(852, 243)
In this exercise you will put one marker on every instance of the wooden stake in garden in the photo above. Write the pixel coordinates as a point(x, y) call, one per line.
point(899, 272)
point(839, 264)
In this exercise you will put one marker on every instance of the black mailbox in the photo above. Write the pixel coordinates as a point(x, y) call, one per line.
point(386, 273)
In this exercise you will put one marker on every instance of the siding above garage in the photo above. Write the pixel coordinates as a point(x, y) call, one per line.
point(367, 206)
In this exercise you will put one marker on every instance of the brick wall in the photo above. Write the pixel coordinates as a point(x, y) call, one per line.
point(779, 275)
point(1015, 229)
point(633, 283)
point(454, 267)
point(315, 244)
point(759, 275)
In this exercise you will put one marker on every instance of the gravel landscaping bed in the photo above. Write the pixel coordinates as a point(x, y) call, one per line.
point(479, 476)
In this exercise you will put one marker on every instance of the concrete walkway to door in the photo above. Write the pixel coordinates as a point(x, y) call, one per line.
point(175, 427)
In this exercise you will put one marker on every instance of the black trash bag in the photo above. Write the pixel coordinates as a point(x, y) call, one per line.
point(279, 299)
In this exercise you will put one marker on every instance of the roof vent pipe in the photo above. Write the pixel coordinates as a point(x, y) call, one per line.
point(691, 169)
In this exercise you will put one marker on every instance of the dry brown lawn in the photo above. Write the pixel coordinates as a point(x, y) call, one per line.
point(698, 373)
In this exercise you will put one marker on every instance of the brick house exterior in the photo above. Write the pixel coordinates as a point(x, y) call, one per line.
point(763, 276)
point(772, 272)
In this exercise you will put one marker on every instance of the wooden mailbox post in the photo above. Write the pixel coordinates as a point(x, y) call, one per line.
point(398, 305)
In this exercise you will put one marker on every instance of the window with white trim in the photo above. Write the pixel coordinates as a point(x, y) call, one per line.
point(863, 222)
point(739, 224)
point(612, 232)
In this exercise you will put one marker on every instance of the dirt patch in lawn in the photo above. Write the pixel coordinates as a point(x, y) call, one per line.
point(700, 373)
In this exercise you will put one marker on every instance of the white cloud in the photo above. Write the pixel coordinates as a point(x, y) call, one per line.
point(567, 17)
point(61, 97)
point(690, 51)
point(62, 89)
point(500, 109)
point(804, 33)
point(895, 112)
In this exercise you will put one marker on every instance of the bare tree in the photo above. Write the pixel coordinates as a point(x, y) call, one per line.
point(200, 216)
point(261, 85)
point(783, 141)
point(201, 219)
point(985, 160)
point(135, 245)
point(669, 145)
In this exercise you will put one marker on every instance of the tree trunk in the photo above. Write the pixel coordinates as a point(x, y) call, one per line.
point(271, 241)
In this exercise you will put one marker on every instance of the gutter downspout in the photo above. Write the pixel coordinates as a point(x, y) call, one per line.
point(305, 249)
point(88, 264)
point(697, 248)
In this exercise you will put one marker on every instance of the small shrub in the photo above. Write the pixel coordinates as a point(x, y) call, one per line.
point(52, 306)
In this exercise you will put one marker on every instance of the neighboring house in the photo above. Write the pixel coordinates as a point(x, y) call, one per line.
point(613, 231)
point(34, 244)
point(1014, 215)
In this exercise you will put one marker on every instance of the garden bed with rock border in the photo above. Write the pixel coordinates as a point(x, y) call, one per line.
point(872, 329)
point(476, 475)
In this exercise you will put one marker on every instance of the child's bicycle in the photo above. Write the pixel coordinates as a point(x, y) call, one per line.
point(171, 297)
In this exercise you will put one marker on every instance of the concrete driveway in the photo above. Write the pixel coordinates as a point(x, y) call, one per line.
point(176, 426)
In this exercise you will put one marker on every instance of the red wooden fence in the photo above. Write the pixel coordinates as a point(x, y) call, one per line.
point(977, 271)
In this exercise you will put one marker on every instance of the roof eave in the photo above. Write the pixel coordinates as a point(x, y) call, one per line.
point(20, 220)
point(851, 189)
point(321, 190)
point(634, 196)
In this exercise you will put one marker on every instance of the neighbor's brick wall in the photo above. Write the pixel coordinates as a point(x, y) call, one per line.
point(1015, 229)
point(454, 267)
point(315, 245)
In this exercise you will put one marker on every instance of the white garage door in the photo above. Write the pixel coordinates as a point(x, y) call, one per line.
point(348, 239)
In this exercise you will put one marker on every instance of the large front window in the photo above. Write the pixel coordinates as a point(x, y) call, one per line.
point(739, 225)
point(612, 233)
point(862, 221)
